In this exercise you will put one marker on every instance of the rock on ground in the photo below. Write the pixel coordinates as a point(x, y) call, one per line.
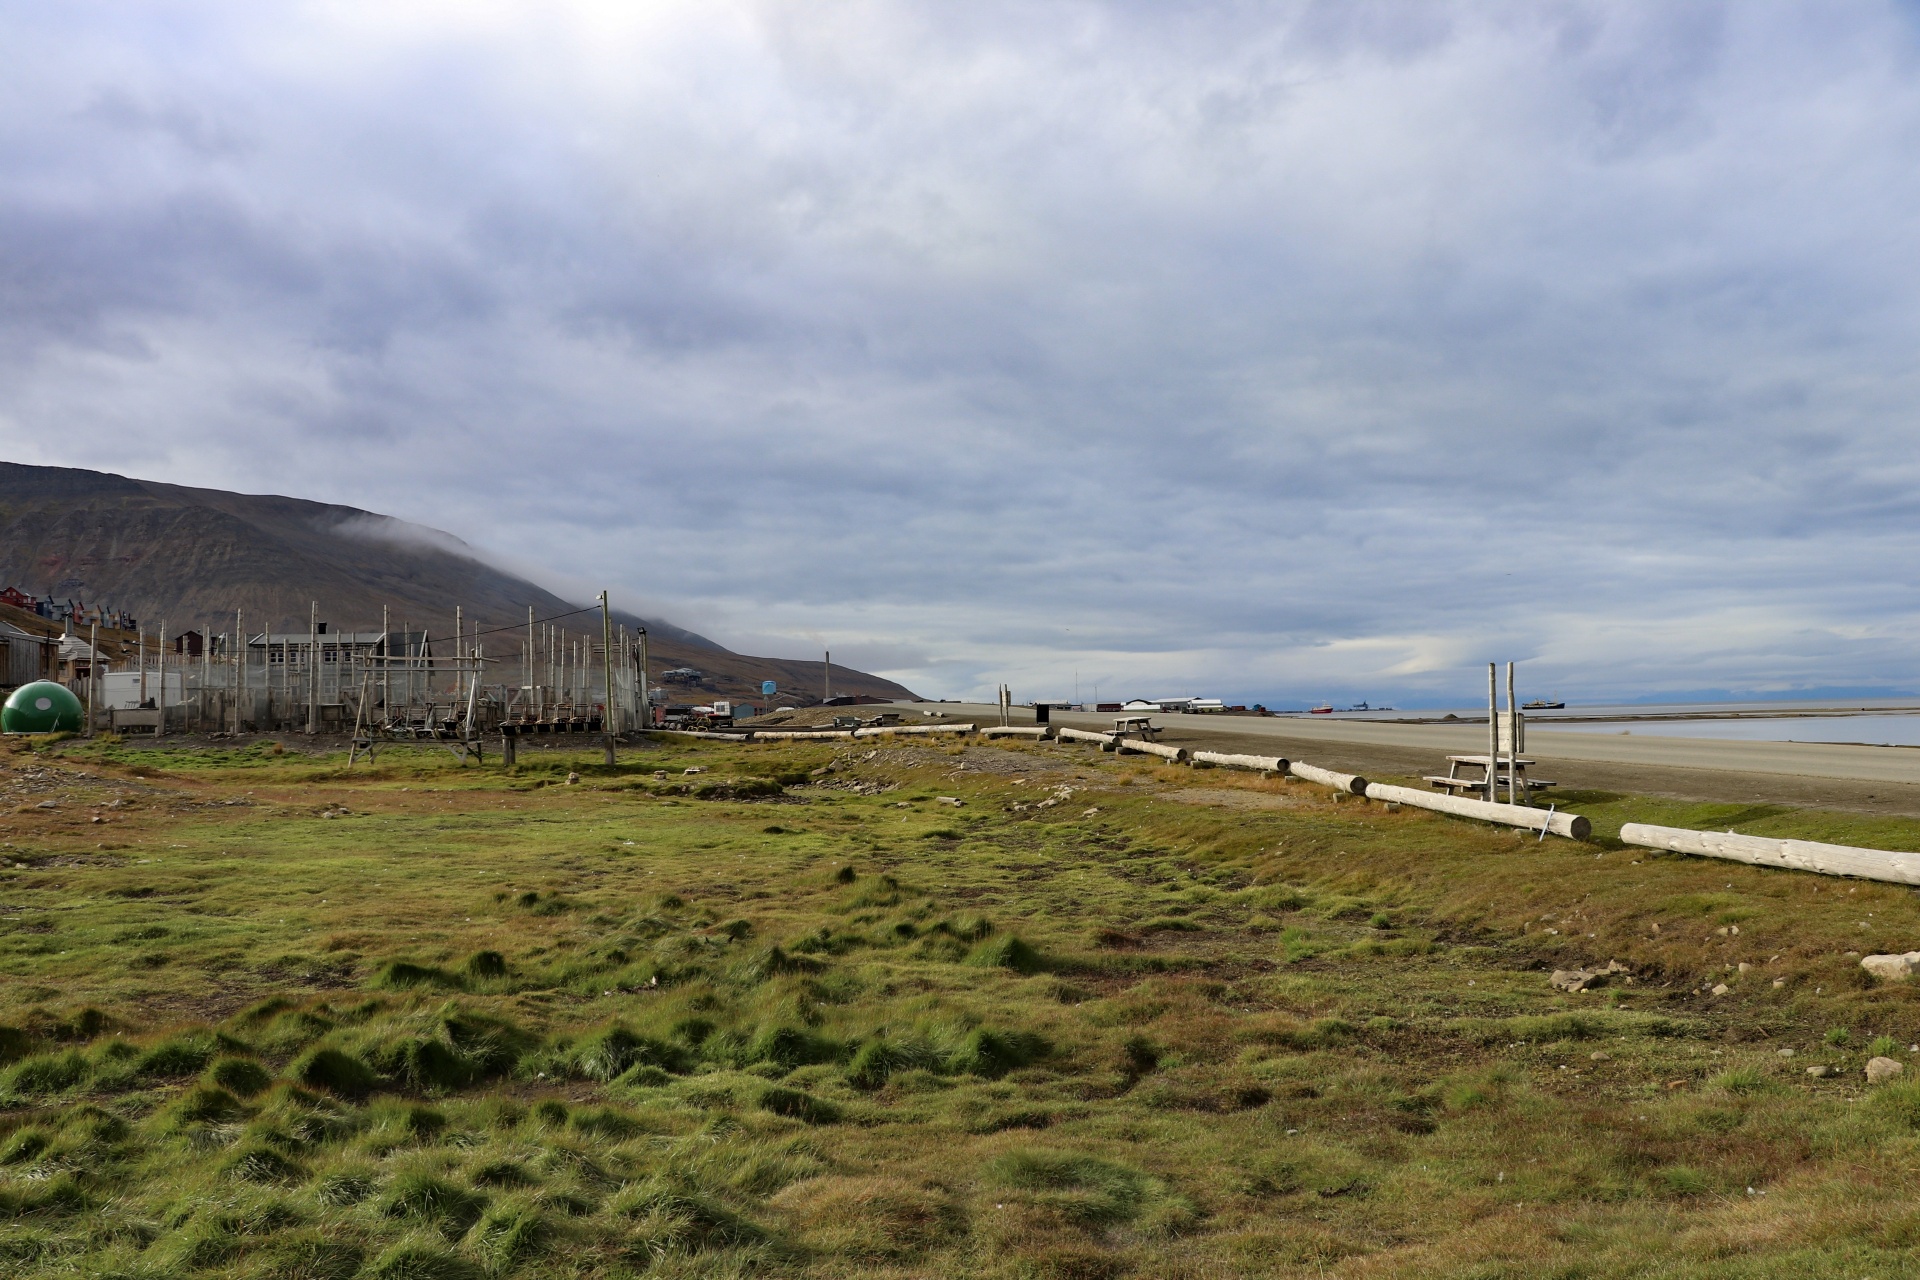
point(1881, 1070)
point(1587, 979)
point(1892, 968)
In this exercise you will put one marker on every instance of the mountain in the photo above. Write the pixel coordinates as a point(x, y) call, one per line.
point(193, 556)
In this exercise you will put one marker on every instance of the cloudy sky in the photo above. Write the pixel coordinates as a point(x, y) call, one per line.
point(1276, 350)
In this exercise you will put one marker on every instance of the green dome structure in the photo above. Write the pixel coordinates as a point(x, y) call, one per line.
point(42, 707)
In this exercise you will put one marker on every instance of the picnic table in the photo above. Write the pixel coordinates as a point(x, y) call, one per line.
point(1477, 783)
point(1142, 725)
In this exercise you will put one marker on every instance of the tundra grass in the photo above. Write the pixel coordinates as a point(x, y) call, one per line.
point(917, 1011)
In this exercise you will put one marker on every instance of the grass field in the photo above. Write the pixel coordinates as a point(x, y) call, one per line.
point(801, 1014)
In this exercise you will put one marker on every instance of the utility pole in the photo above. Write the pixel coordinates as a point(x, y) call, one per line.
point(606, 671)
point(313, 667)
point(826, 677)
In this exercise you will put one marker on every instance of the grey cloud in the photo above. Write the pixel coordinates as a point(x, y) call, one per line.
point(1300, 350)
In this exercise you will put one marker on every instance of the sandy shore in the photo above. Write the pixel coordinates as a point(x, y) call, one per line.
point(1822, 775)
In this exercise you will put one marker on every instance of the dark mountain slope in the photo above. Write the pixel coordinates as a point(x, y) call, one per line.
point(193, 556)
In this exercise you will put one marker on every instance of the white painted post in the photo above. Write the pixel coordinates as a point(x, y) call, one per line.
point(1513, 742)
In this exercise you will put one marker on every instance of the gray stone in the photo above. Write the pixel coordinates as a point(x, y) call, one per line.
point(1820, 1073)
point(1881, 1070)
point(1586, 979)
point(1892, 968)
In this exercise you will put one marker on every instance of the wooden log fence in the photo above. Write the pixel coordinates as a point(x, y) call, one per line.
point(797, 735)
point(1105, 741)
point(883, 730)
point(1570, 825)
point(1328, 778)
point(1791, 855)
point(1038, 731)
point(1177, 755)
point(1265, 764)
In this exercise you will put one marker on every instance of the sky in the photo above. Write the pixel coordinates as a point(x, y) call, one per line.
point(1277, 351)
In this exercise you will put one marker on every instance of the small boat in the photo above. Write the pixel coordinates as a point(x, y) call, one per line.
point(1541, 704)
point(1324, 709)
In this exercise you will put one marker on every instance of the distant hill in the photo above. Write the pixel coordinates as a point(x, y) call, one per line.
point(193, 556)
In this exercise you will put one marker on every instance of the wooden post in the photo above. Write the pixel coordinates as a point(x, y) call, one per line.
point(1493, 734)
point(526, 663)
point(93, 675)
point(1513, 743)
point(353, 741)
point(313, 667)
point(160, 724)
point(206, 679)
point(646, 694)
point(239, 668)
point(386, 662)
point(467, 737)
point(606, 641)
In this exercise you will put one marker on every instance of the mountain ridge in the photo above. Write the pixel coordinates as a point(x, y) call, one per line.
point(193, 556)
